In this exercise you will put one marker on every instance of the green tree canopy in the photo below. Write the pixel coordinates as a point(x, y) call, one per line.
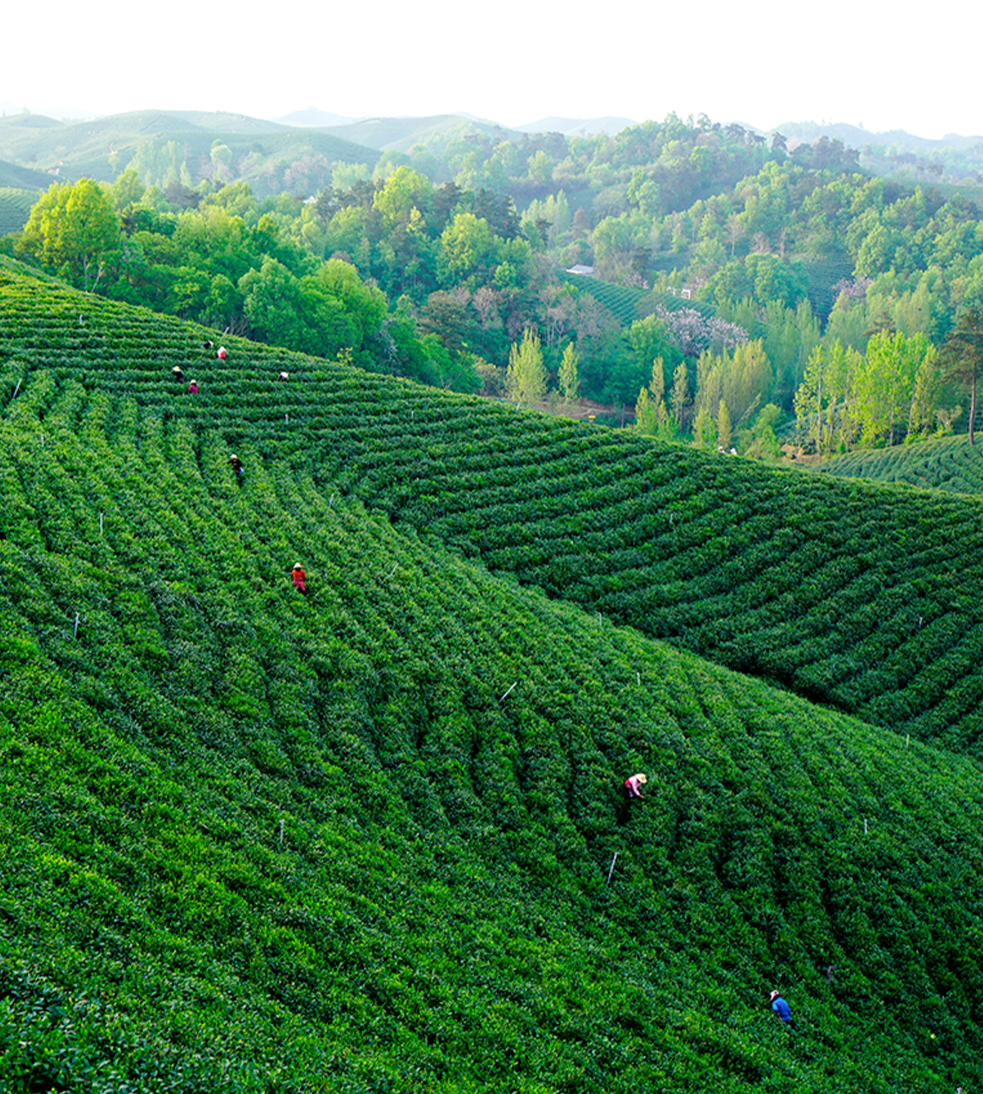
point(72, 230)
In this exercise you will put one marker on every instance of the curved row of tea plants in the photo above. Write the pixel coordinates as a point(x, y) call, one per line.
point(255, 841)
point(15, 207)
point(943, 463)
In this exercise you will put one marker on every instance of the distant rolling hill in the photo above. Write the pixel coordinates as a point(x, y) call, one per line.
point(15, 177)
point(400, 134)
point(103, 147)
point(574, 126)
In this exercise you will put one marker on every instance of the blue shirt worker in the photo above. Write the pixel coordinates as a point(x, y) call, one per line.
point(780, 1007)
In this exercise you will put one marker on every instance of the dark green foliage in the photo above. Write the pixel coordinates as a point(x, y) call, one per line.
point(359, 840)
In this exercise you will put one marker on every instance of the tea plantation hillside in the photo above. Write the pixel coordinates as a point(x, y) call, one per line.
point(866, 598)
point(360, 840)
point(943, 463)
point(365, 839)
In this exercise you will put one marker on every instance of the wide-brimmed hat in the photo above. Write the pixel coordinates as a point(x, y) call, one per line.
point(773, 996)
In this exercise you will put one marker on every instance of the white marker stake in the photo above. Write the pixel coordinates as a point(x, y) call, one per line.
point(506, 694)
point(611, 871)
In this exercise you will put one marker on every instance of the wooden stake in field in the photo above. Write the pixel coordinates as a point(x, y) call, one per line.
point(611, 871)
point(506, 694)
point(75, 632)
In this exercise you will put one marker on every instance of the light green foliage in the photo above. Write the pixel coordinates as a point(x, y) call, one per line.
point(704, 429)
point(824, 401)
point(742, 379)
point(680, 399)
point(127, 191)
point(404, 199)
point(848, 397)
point(885, 383)
point(568, 377)
point(760, 442)
point(72, 230)
point(467, 247)
point(651, 416)
point(273, 304)
point(723, 424)
point(614, 243)
point(526, 379)
point(962, 356)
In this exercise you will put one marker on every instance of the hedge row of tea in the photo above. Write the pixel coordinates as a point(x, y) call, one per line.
point(864, 598)
point(15, 206)
point(365, 839)
point(943, 463)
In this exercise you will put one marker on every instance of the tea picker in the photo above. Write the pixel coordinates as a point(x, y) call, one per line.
point(780, 1007)
point(634, 783)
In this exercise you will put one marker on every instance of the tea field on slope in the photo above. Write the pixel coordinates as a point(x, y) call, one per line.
point(950, 464)
point(360, 840)
point(866, 598)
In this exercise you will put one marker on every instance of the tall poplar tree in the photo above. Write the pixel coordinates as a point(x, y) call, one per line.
point(526, 378)
point(962, 356)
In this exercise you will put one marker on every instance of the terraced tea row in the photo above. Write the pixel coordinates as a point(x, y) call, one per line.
point(950, 464)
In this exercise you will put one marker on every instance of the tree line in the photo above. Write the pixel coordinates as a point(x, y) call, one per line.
point(426, 267)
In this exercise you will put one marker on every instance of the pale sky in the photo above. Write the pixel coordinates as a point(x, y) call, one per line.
point(757, 62)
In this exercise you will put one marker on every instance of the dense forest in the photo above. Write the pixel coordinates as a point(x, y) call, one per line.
point(736, 290)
